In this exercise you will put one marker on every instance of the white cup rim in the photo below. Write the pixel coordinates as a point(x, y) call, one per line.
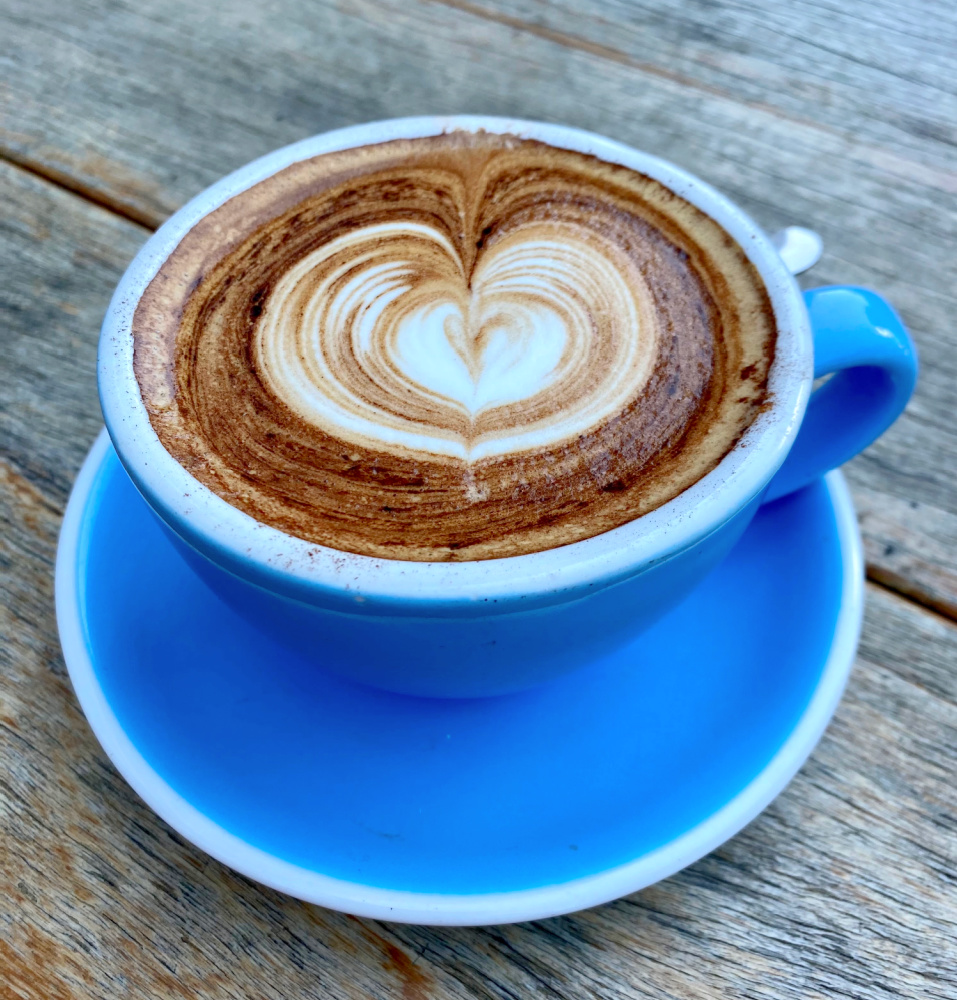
point(274, 558)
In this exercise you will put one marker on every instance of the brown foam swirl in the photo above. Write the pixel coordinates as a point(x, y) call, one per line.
point(464, 346)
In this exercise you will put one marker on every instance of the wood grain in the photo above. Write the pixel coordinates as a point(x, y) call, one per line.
point(881, 73)
point(815, 113)
point(845, 887)
point(60, 267)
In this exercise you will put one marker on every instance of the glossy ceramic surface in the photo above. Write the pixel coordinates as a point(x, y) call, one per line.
point(452, 811)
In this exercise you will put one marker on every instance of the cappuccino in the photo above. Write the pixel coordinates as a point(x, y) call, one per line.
point(457, 347)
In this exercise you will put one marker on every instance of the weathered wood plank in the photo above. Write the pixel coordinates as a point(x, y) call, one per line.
point(844, 888)
point(881, 72)
point(140, 106)
point(909, 546)
point(62, 260)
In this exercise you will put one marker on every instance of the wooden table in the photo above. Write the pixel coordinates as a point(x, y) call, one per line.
point(838, 114)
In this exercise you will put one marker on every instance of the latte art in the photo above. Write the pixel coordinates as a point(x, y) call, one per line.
point(383, 339)
point(457, 347)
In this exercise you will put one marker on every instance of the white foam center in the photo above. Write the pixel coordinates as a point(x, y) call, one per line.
point(379, 339)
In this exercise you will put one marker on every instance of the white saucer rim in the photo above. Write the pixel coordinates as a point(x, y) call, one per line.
point(436, 908)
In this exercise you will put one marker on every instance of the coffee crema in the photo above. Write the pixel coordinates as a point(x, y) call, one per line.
point(457, 347)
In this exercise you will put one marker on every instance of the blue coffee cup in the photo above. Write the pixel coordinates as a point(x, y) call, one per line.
point(488, 627)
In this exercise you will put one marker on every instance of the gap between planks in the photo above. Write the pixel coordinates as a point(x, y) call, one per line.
point(889, 582)
point(611, 54)
point(63, 180)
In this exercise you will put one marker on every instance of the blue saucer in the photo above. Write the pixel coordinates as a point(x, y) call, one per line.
point(458, 811)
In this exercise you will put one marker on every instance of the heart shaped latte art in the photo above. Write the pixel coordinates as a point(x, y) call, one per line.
point(381, 338)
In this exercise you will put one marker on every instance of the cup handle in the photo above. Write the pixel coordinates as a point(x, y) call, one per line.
point(861, 342)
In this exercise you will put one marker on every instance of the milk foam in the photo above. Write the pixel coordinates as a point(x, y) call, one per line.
point(379, 338)
point(465, 346)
